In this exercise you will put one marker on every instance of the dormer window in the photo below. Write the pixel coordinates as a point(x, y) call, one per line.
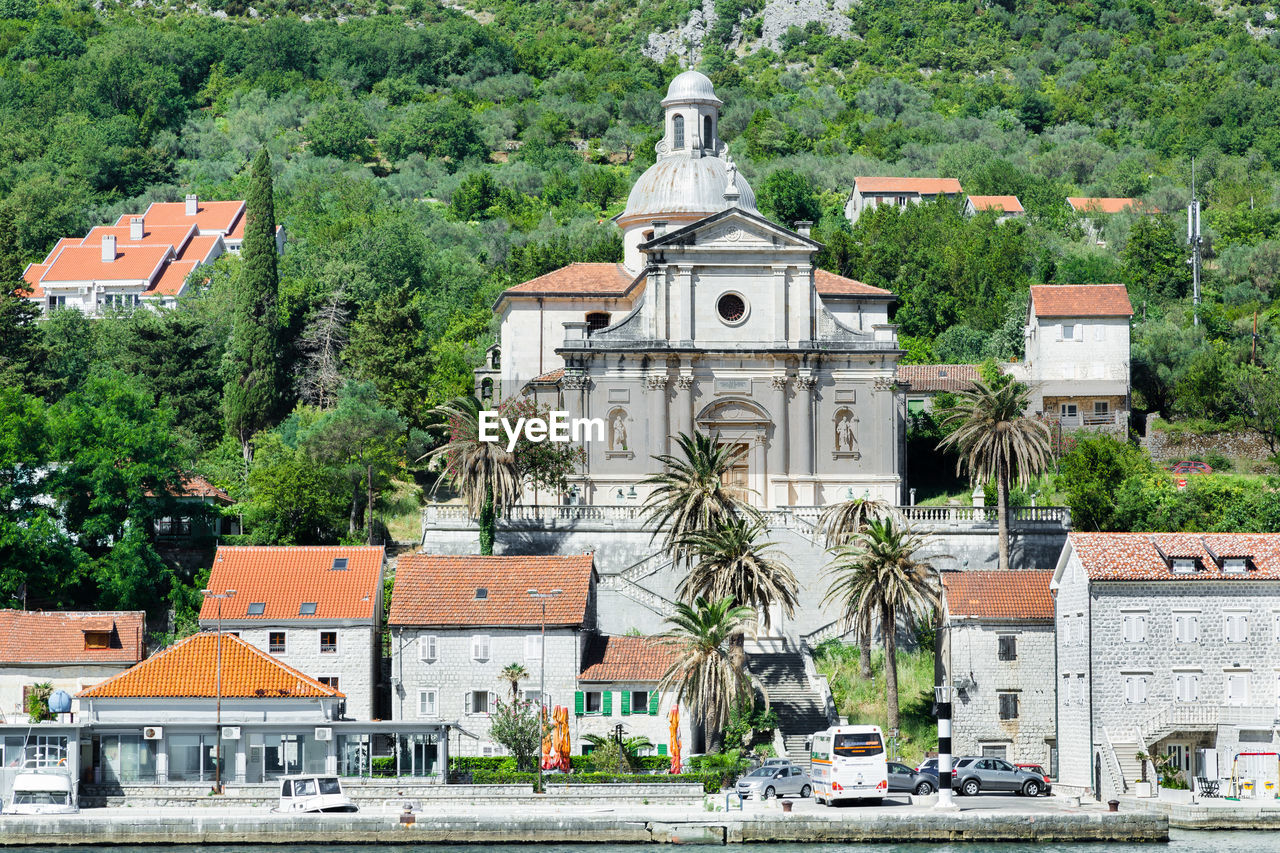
point(1235, 565)
point(1184, 566)
point(677, 132)
point(942, 373)
point(307, 608)
point(339, 564)
point(97, 639)
point(257, 608)
point(482, 593)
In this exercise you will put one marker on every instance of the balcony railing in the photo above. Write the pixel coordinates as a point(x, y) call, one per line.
point(1092, 419)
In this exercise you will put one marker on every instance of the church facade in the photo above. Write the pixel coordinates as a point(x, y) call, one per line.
point(718, 321)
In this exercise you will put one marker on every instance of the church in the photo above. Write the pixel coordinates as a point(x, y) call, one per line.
point(717, 321)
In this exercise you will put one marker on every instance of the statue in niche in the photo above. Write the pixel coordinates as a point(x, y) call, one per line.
point(844, 431)
point(618, 430)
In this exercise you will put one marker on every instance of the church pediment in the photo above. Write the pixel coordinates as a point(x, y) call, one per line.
point(733, 229)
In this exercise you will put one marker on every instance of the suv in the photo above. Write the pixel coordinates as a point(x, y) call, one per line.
point(974, 774)
point(1036, 768)
point(903, 778)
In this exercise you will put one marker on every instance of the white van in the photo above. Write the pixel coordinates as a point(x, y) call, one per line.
point(848, 763)
point(309, 793)
point(43, 791)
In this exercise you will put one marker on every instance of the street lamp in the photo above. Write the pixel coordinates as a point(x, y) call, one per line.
point(217, 742)
point(542, 598)
point(942, 696)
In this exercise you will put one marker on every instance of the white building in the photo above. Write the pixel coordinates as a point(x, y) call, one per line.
point(627, 670)
point(1005, 207)
point(997, 651)
point(1077, 355)
point(870, 192)
point(1169, 644)
point(316, 608)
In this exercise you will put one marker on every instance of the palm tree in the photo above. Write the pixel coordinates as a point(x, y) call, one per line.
point(877, 572)
point(513, 673)
point(838, 524)
point(690, 495)
point(730, 560)
point(482, 471)
point(997, 441)
point(703, 674)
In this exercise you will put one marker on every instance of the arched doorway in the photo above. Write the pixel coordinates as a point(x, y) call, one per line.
point(743, 425)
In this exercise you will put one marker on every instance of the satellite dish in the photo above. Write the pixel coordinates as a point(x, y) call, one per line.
point(59, 701)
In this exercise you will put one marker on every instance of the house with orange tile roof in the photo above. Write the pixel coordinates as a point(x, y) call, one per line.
point(1077, 355)
point(923, 382)
point(1005, 207)
point(1094, 211)
point(619, 681)
point(1167, 644)
point(996, 650)
point(870, 192)
point(141, 260)
point(315, 608)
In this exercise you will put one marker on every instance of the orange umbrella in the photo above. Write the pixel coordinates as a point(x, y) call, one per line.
point(548, 742)
point(565, 748)
point(673, 720)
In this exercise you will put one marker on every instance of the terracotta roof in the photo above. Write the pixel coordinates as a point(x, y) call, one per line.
point(1137, 556)
point(923, 186)
point(1086, 204)
point(32, 275)
point(29, 636)
point(200, 248)
point(283, 578)
point(195, 486)
point(938, 377)
point(1001, 203)
point(436, 590)
point(217, 217)
point(579, 280)
point(1080, 300)
point(172, 279)
point(625, 659)
point(85, 263)
point(999, 595)
point(58, 247)
point(550, 376)
point(176, 236)
point(188, 669)
point(830, 284)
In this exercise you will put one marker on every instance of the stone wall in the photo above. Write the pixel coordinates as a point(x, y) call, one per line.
point(1162, 444)
point(353, 664)
point(1071, 624)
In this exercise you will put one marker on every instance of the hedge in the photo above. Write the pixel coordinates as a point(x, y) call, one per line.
point(579, 763)
point(710, 782)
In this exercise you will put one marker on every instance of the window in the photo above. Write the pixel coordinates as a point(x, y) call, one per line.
point(1184, 566)
point(1099, 332)
point(256, 608)
point(677, 132)
point(1237, 692)
point(1236, 626)
point(427, 647)
point(1101, 408)
point(482, 593)
point(1186, 686)
point(1068, 410)
point(639, 701)
point(1235, 565)
point(995, 751)
point(1275, 618)
point(97, 639)
point(1135, 689)
point(533, 647)
point(427, 703)
point(307, 608)
point(330, 680)
point(480, 647)
point(706, 131)
point(1134, 627)
point(328, 642)
point(594, 702)
point(339, 564)
point(1008, 647)
point(56, 302)
point(1186, 626)
point(731, 307)
point(532, 696)
point(1068, 331)
point(479, 702)
point(597, 320)
point(1008, 705)
point(276, 642)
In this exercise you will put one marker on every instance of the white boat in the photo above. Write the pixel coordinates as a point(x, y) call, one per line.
point(42, 791)
point(313, 794)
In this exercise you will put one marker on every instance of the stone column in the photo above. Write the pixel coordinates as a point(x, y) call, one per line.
point(655, 384)
point(684, 303)
point(758, 479)
point(575, 384)
point(802, 462)
point(779, 490)
point(684, 401)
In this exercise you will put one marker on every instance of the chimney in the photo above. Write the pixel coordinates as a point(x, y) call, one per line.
point(659, 227)
point(108, 248)
point(803, 226)
point(136, 229)
point(192, 206)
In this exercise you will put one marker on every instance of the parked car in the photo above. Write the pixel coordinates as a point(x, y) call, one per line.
point(930, 765)
point(775, 780)
point(1036, 768)
point(313, 794)
point(975, 774)
point(903, 778)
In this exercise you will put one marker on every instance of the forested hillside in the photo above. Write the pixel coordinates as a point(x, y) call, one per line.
point(424, 158)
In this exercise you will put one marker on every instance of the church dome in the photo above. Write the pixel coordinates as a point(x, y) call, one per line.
point(683, 186)
point(691, 86)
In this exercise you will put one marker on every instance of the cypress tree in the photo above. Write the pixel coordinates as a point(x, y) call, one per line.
point(252, 389)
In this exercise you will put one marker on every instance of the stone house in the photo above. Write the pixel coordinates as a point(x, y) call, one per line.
point(923, 382)
point(618, 685)
point(1093, 212)
point(870, 192)
point(71, 650)
point(1077, 355)
point(997, 651)
point(315, 608)
point(1167, 643)
point(1005, 207)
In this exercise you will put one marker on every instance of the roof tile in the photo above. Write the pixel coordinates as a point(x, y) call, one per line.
point(579, 280)
point(85, 263)
point(625, 659)
point(1102, 204)
point(439, 590)
point(922, 186)
point(1136, 556)
point(216, 217)
point(998, 203)
point(1080, 300)
point(282, 578)
point(830, 284)
point(939, 377)
point(30, 636)
point(999, 595)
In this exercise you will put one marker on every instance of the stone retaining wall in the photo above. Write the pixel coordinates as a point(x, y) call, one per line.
point(1163, 445)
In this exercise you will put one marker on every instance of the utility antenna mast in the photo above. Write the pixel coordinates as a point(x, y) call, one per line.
point(1194, 240)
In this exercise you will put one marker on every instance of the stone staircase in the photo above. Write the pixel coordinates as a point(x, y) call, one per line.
point(1123, 745)
point(800, 708)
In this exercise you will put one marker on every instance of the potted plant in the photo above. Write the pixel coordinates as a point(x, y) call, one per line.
point(1142, 788)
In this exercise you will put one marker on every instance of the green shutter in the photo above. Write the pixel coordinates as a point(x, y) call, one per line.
point(662, 749)
point(606, 703)
point(579, 703)
point(626, 702)
point(653, 703)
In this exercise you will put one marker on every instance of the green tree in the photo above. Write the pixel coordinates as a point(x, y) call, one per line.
point(518, 727)
point(443, 130)
point(290, 499)
point(1155, 259)
point(997, 443)
point(839, 524)
point(339, 129)
point(878, 573)
point(513, 674)
point(788, 197)
point(389, 347)
point(22, 350)
point(601, 185)
point(731, 560)
point(252, 363)
point(1090, 476)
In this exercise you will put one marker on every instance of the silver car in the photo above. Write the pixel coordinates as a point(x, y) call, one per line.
point(775, 780)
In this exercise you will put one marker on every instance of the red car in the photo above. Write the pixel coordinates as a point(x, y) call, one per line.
point(1036, 768)
point(1192, 468)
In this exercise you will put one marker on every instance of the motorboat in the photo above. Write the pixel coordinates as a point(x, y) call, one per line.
point(43, 790)
point(318, 793)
